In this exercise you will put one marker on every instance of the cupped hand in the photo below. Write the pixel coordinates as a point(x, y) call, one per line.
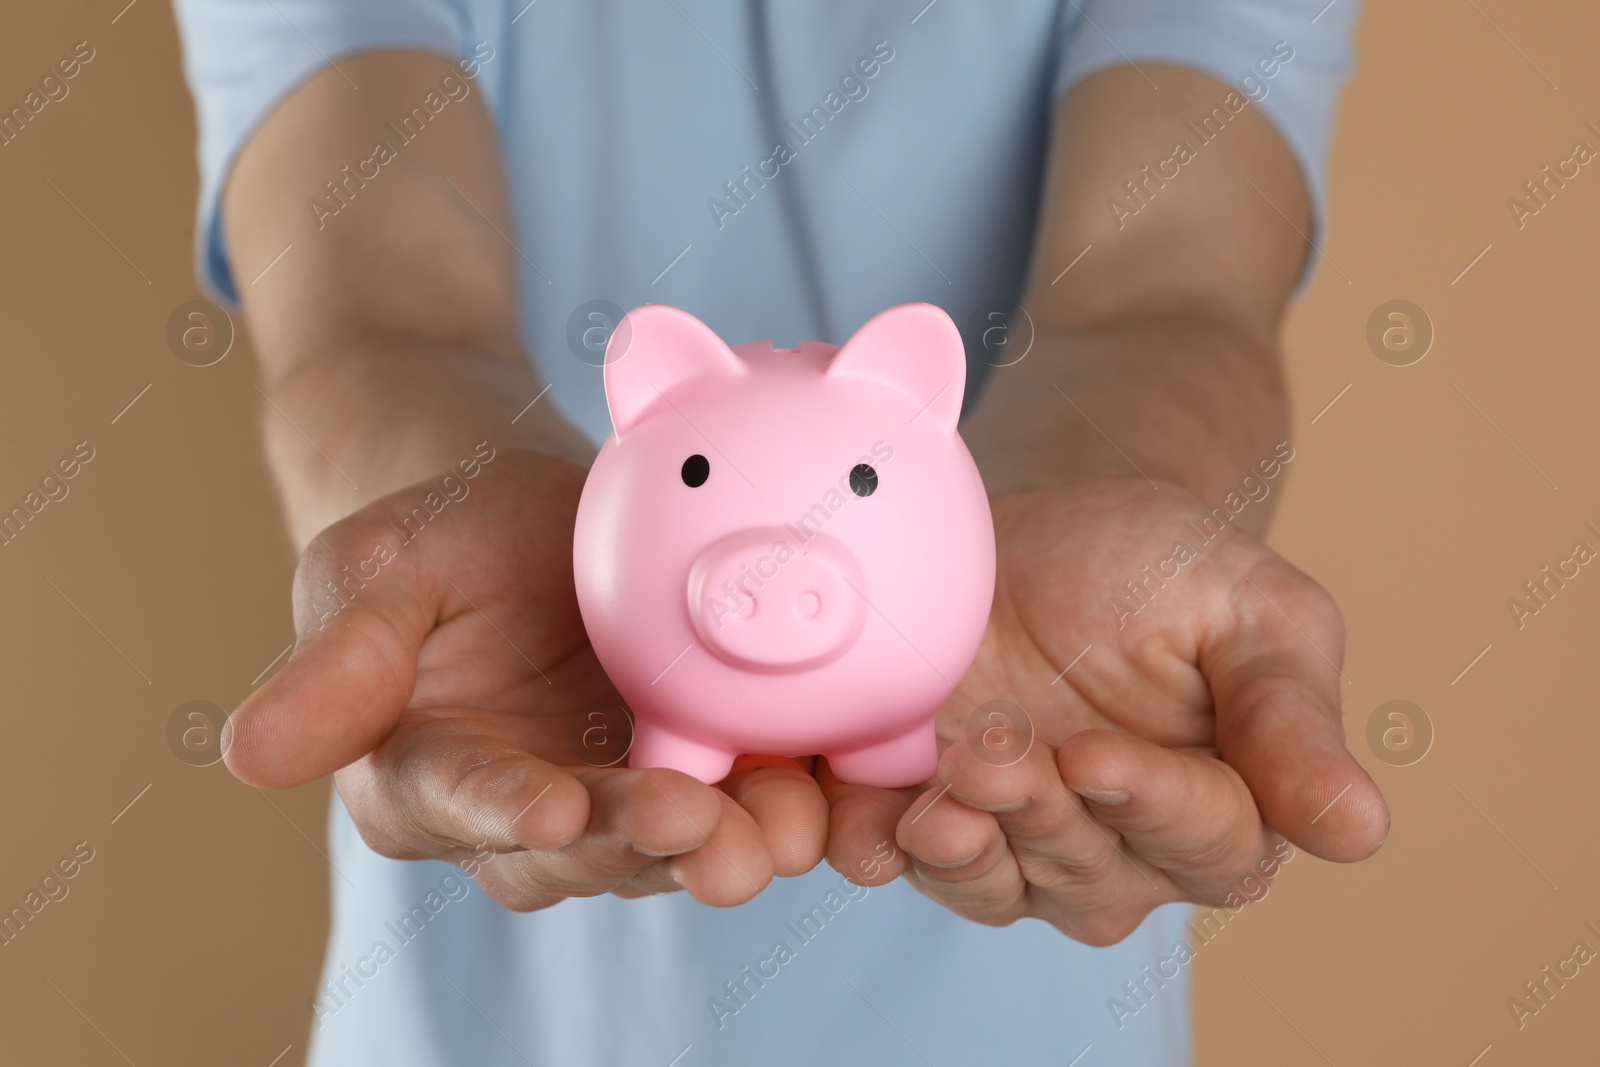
point(1165, 747)
point(441, 671)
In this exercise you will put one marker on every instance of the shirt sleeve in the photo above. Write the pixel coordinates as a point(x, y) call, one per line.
point(1228, 39)
point(241, 57)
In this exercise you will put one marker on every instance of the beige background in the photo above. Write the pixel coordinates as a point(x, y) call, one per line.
point(1424, 498)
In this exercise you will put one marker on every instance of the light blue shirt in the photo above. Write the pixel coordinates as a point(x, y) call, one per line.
point(641, 148)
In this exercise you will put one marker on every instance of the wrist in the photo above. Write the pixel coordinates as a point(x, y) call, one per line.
point(346, 428)
point(1181, 400)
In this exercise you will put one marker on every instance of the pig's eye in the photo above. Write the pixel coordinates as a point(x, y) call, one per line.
point(696, 469)
point(863, 480)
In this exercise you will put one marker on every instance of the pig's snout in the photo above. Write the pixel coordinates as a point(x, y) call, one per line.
point(762, 599)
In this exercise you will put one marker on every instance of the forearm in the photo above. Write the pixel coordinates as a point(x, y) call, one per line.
point(347, 426)
point(1154, 352)
point(389, 340)
point(1182, 399)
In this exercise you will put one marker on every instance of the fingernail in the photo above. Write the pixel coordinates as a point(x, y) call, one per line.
point(641, 850)
point(953, 866)
point(1108, 798)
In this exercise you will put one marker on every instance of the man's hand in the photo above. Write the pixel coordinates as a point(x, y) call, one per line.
point(441, 662)
point(447, 678)
point(1164, 762)
point(1185, 738)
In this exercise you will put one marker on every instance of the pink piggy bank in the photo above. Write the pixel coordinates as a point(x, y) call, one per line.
point(785, 551)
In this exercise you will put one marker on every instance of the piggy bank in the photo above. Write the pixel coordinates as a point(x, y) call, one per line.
point(785, 551)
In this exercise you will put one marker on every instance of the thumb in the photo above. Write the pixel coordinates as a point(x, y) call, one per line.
point(354, 663)
point(1274, 675)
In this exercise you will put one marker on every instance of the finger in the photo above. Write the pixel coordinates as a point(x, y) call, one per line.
point(1274, 675)
point(712, 874)
point(638, 820)
point(861, 828)
point(352, 669)
point(730, 867)
point(788, 807)
point(733, 864)
point(959, 858)
point(461, 779)
point(1190, 816)
point(1079, 875)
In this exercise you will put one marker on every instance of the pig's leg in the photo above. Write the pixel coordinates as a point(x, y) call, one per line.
point(909, 759)
point(656, 747)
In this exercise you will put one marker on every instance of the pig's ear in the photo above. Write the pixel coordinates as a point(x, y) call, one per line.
point(913, 348)
point(654, 348)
